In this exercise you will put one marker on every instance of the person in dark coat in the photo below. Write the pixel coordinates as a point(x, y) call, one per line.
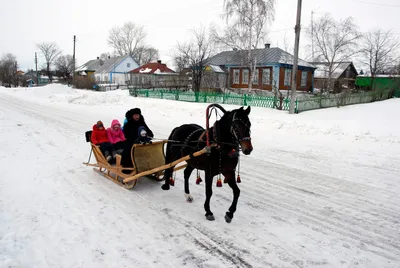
point(135, 121)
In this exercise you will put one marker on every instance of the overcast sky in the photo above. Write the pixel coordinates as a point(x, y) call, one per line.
point(24, 23)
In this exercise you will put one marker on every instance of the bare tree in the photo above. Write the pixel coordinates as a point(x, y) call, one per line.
point(287, 59)
point(104, 57)
point(65, 65)
point(8, 70)
point(181, 62)
point(335, 41)
point(246, 21)
point(129, 39)
point(196, 53)
point(149, 54)
point(50, 52)
point(379, 51)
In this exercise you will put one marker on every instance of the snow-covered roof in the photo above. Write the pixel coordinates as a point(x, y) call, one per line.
point(145, 70)
point(379, 75)
point(217, 68)
point(322, 70)
point(263, 56)
point(110, 64)
point(153, 68)
point(91, 65)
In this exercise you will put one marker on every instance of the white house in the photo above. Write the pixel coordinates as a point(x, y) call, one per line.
point(115, 70)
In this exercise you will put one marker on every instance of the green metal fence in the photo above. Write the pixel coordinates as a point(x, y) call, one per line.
point(396, 93)
point(310, 103)
point(211, 97)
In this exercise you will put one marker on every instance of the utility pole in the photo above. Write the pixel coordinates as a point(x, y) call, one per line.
point(37, 76)
point(295, 60)
point(73, 61)
point(312, 35)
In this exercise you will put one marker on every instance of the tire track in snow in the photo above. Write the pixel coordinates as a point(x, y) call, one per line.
point(305, 212)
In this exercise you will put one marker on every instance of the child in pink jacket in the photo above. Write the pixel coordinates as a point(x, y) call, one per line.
point(116, 136)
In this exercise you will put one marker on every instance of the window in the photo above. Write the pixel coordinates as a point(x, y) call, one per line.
point(266, 76)
point(303, 79)
point(236, 76)
point(128, 65)
point(245, 78)
point(255, 77)
point(288, 74)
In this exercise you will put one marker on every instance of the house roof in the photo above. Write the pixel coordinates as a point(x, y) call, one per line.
point(153, 68)
point(91, 65)
point(338, 68)
point(110, 64)
point(217, 69)
point(263, 56)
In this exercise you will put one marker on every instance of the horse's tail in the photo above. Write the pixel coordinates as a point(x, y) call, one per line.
point(168, 153)
point(168, 159)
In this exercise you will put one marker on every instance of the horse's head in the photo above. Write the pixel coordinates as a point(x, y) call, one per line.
point(240, 128)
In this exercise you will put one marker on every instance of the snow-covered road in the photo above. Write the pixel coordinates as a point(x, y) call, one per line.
point(316, 192)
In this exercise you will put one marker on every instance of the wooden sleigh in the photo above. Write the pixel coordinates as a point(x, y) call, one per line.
point(147, 159)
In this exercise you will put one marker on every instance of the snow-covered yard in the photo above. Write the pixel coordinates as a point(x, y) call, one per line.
point(321, 189)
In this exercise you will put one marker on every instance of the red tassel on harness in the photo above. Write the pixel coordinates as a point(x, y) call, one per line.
point(238, 179)
point(171, 181)
point(219, 182)
point(198, 180)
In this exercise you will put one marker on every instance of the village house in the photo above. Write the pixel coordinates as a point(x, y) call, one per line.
point(273, 69)
point(344, 75)
point(116, 70)
point(153, 75)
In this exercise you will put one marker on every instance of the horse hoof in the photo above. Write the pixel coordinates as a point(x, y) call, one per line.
point(228, 219)
point(189, 198)
point(165, 186)
point(210, 217)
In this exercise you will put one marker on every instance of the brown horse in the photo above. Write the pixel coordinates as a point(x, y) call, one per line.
point(228, 135)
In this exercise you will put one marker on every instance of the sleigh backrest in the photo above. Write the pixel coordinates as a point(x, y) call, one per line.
point(88, 135)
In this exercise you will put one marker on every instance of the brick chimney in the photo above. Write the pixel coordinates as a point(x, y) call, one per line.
point(159, 61)
point(267, 45)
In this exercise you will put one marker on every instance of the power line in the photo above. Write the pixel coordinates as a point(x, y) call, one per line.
point(378, 4)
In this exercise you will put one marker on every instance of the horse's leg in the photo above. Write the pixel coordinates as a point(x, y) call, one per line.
point(187, 172)
point(209, 181)
point(230, 176)
point(167, 177)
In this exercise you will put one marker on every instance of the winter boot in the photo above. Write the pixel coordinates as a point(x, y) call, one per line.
point(114, 154)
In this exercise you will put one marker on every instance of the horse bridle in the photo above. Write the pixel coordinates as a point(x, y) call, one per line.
point(234, 131)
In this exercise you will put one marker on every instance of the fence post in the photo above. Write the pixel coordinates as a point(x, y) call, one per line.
point(147, 93)
point(196, 96)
